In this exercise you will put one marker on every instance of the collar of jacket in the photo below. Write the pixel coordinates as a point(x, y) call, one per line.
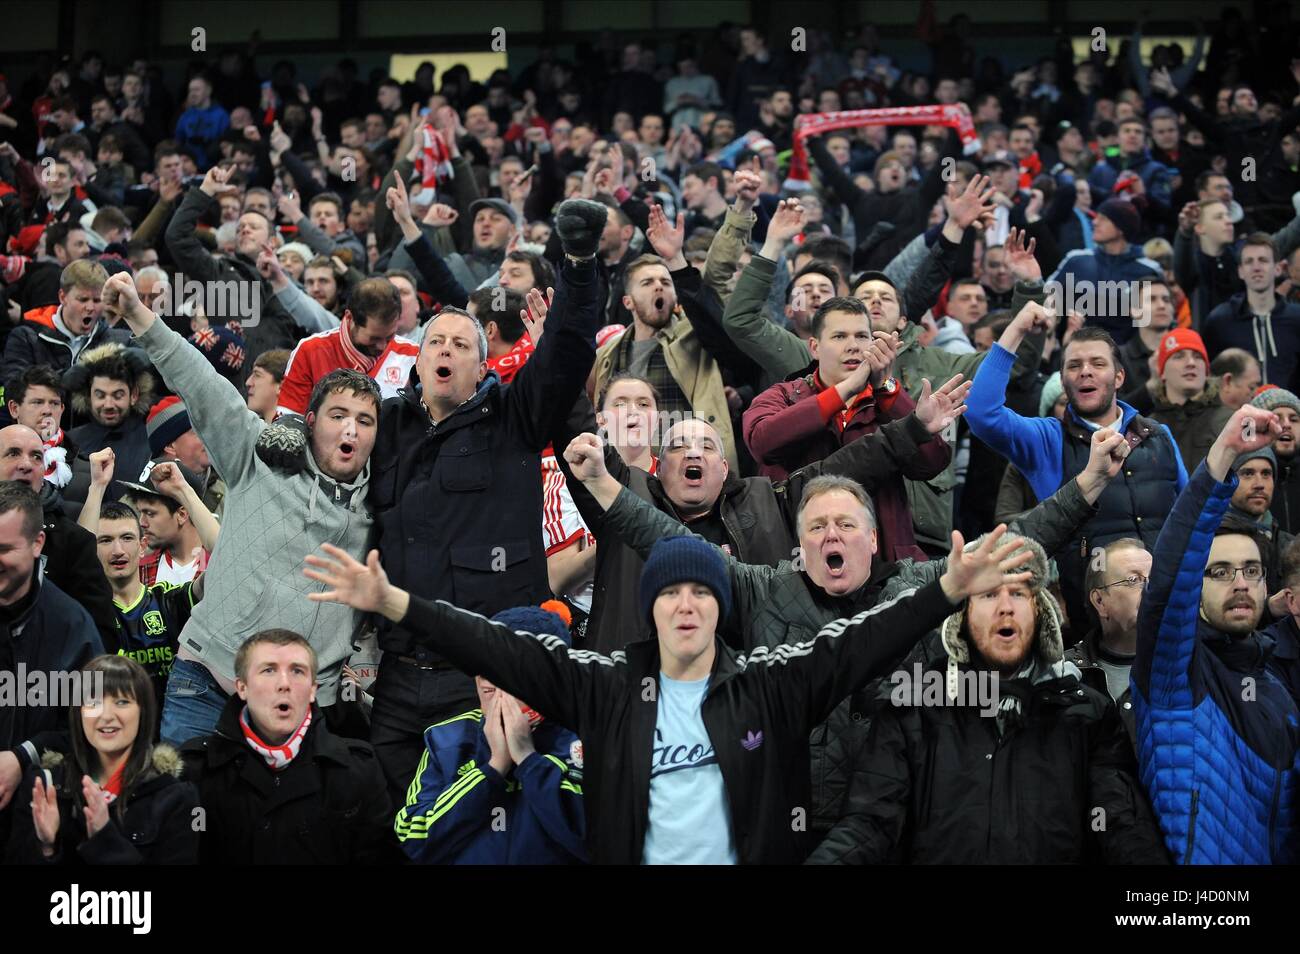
point(643, 661)
point(1207, 399)
point(1075, 426)
point(1239, 305)
point(20, 623)
point(411, 396)
point(1249, 653)
point(1265, 523)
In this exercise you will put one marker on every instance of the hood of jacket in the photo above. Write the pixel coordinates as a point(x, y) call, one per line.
point(165, 761)
point(1048, 643)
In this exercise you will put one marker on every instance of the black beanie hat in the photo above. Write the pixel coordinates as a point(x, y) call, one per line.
point(684, 560)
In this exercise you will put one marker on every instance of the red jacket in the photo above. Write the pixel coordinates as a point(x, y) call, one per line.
point(795, 423)
point(327, 351)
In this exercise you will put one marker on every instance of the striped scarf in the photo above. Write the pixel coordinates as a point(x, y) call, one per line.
point(360, 361)
point(433, 164)
point(277, 757)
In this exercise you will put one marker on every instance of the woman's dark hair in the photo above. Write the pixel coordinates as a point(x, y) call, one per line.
point(124, 677)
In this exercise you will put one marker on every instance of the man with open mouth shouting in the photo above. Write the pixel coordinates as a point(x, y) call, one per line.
point(835, 571)
point(1049, 452)
point(252, 581)
point(738, 723)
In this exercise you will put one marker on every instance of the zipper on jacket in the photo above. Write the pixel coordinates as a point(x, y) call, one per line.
point(1272, 818)
point(1191, 826)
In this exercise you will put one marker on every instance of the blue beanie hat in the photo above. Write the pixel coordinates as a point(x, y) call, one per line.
point(544, 620)
point(684, 560)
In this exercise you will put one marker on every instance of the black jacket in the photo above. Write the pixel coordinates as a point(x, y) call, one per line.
point(53, 635)
point(939, 786)
point(156, 829)
point(328, 807)
point(457, 502)
point(1286, 495)
point(758, 712)
point(1084, 654)
point(274, 327)
point(36, 342)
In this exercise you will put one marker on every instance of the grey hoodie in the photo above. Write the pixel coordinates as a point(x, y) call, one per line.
point(272, 520)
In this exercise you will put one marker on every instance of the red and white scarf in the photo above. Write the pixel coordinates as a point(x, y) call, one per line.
point(815, 124)
point(277, 757)
point(433, 164)
point(360, 361)
point(57, 470)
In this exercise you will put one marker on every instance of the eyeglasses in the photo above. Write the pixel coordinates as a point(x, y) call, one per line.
point(1226, 573)
point(1137, 579)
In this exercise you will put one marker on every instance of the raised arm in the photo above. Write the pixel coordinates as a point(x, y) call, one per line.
point(558, 682)
point(1167, 620)
point(222, 420)
point(168, 480)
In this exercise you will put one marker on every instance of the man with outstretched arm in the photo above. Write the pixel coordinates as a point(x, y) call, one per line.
point(745, 717)
point(1217, 732)
point(252, 583)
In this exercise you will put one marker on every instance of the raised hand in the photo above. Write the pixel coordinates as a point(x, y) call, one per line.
point(1162, 82)
point(167, 478)
point(586, 457)
point(363, 586)
point(440, 214)
point(1249, 429)
point(787, 221)
point(965, 206)
point(101, 467)
point(938, 409)
point(399, 203)
point(1020, 257)
point(666, 239)
point(252, 133)
point(280, 141)
point(268, 265)
point(217, 181)
point(290, 208)
point(534, 316)
point(1107, 452)
point(974, 570)
point(1188, 217)
point(169, 187)
point(747, 185)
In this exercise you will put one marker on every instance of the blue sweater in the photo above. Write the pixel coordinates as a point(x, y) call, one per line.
point(1033, 444)
point(200, 129)
point(459, 810)
point(1218, 737)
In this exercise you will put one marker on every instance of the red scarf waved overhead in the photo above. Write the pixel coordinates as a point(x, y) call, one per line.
point(815, 124)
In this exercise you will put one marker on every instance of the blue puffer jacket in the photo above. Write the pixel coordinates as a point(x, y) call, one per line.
point(1217, 733)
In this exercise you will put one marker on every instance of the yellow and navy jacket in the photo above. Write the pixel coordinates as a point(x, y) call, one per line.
point(459, 810)
point(149, 630)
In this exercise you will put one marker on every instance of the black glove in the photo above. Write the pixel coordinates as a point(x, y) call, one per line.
point(283, 445)
point(580, 223)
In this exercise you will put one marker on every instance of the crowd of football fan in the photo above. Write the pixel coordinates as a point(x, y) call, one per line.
point(560, 469)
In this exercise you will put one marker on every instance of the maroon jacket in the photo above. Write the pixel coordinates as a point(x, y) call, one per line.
point(788, 427)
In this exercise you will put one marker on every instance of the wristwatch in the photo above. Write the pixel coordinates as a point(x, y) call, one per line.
point(888, 386)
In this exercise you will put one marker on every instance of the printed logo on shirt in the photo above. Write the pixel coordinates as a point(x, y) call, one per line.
point(666, 757)
point(752, 740)
point(575, 753)
point(153, 623)
point(394, 374)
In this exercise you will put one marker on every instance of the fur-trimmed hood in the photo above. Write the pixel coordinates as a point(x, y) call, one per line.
point(1048, 643)
point(166, 760)
point(94, 361)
